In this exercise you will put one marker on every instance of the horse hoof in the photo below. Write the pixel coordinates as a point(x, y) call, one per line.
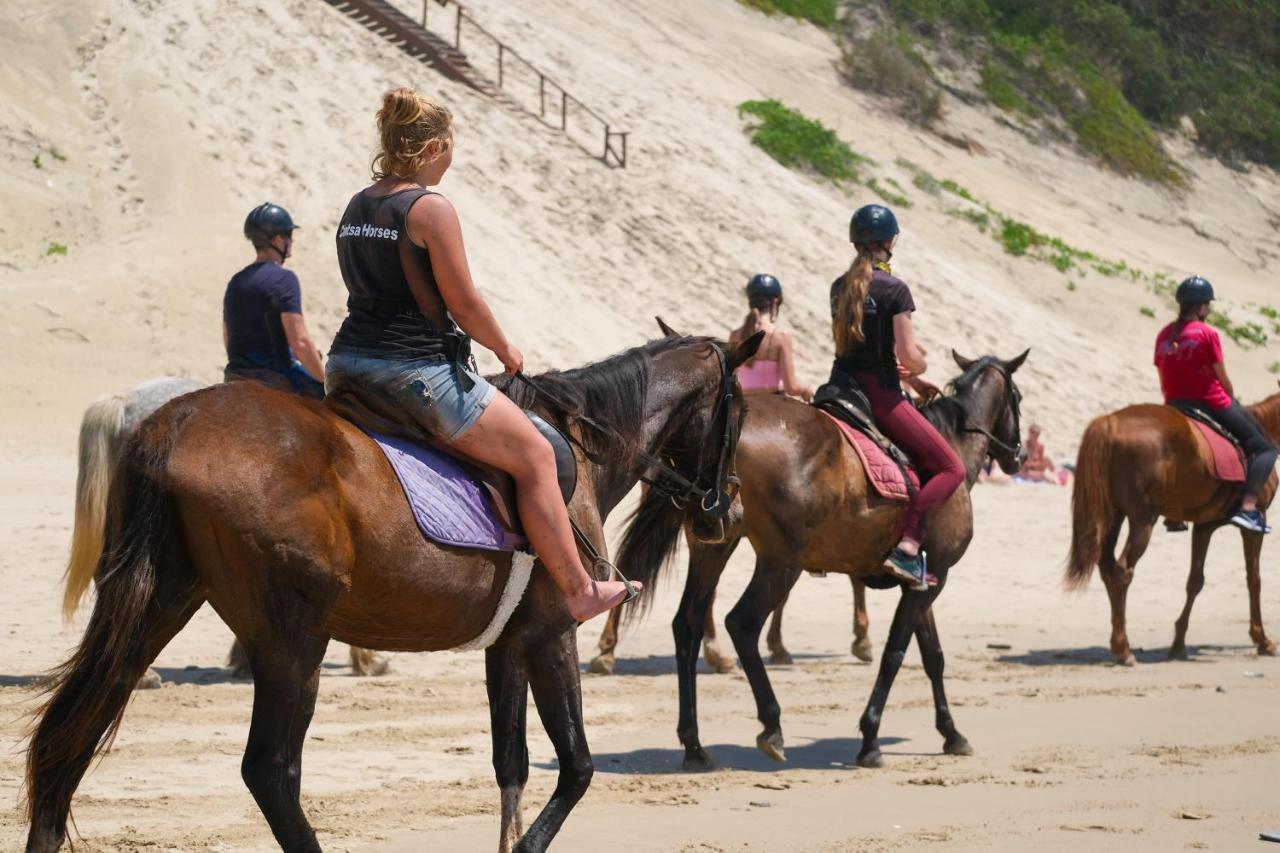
point(1178, 653)
point(696, 760)
point(1127, 660)
point(150, 680)
point(871, 759)
point(771, 745)
point(1267, 649)
point(861, 650)
point(717, 661)
point(602, 665)
point(781, 657)
point(957, 745)
point(377, 665)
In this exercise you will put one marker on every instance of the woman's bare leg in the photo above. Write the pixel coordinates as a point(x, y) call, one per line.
point(505, 438)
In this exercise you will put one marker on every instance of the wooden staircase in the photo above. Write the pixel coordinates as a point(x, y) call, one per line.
point(405, 33)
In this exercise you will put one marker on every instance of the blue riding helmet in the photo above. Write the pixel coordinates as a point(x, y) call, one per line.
point(873, 223)
point(763, 288)
point(266, 221)
point(1194, 291)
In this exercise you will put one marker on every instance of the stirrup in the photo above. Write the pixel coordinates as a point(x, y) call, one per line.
point(632, 592)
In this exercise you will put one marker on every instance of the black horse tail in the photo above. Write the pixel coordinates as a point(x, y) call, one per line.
point(1091, 503)
point(648, 545)
point(88, 693)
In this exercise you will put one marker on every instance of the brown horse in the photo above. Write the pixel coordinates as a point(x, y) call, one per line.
point(807, 506)
point(290, 522)
point(605, 659)
point(1138, 464)
point(103, 429)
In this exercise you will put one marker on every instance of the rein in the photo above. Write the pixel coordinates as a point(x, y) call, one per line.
point(1012, 401)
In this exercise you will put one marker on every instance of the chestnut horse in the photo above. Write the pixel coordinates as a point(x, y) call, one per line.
point(290, 522)
point(807, 506)
point(103, 429)
point(1140, 463)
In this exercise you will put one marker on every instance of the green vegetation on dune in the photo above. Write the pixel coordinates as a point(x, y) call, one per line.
point(1114, 69)
point(798, 142)
point(821, 12)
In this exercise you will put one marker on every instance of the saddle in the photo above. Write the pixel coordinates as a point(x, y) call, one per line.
point(843, 400)
point(377, 415)
point(1228, 457)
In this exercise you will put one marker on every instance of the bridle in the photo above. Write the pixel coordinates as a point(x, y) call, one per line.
point(714, 498)
point(1013, 401)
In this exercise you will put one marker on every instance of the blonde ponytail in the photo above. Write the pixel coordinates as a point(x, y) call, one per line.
point(413, 130)
point(846, 326)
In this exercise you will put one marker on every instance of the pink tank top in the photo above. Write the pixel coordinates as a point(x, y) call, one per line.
point(760, 375)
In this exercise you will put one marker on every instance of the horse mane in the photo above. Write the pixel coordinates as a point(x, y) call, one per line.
point(1267, 412)
point(949, 412)
point(605, 399)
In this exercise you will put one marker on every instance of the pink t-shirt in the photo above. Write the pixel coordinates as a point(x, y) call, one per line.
point(1186, 365)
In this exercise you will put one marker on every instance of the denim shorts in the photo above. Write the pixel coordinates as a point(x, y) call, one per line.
point(427, 388)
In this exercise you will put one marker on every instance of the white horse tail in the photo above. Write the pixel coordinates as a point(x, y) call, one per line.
point(100, 430)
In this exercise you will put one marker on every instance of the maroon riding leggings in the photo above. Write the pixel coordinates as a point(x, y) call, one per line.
point(940, 468)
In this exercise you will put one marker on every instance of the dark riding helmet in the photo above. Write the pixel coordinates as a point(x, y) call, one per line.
point(266, 221)
point(873, 223)
point(763, 288)
point(1194, 291)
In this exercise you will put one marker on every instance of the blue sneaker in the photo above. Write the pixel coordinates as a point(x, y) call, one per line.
point(1251, 520)
point(911, 569)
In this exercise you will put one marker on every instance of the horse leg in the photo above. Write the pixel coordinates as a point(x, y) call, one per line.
point(508, 684)
point(1253, 575)
point(238, 661)
point(706, 562)
point(89, 701)
point(778, 654)
point(768, 588)
point(286, 678)
point(905, 619)
point(557, 692)
point(861, 623)
point(930, 644)
point(1200, 535)
point(367, 662)
point(602, 663)
point(1117, 575)
point(717, 661)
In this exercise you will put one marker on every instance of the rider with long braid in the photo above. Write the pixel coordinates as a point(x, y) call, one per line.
point(773, 368)
point(876, 348)
point(412, 305)
point(1188, 357)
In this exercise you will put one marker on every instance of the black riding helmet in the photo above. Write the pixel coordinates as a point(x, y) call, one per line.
point(1194, 291)
point(266, 221)
point(763, 289)
point(873, 223)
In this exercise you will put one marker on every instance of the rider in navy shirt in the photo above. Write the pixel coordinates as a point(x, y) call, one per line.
point(262, 325)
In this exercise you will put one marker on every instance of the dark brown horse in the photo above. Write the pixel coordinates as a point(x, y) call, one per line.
point(289, 521)
point(807, 506)
point(1140, 463)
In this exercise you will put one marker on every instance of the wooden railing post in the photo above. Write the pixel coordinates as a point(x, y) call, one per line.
point(542, 95)
point(564, 110)
point(424, 13)
point(501, 49)
point(457, 32)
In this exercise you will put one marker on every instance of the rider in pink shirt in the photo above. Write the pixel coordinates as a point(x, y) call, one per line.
point(773, 369)
point(1188, 357)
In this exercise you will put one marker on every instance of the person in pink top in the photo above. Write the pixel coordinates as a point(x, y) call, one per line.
point(773, 369)
point(1188, 357)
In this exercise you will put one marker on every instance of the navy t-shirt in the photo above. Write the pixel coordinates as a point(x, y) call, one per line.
point(256, 297)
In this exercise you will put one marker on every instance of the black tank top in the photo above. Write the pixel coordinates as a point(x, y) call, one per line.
point(887, 296)
point(377, 260)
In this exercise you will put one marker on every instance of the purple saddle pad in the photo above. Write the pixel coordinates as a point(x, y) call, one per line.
point(449, 505)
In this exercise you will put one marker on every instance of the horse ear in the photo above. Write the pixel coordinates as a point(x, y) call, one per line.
point(965, 363)
point(667, 331)
point(743, 352)
point(1017, 362)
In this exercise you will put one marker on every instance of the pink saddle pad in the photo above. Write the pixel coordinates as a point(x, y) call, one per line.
point(1228, 461)
point(884, 474)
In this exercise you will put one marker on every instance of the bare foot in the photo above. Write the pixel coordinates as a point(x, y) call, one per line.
point(599, 597)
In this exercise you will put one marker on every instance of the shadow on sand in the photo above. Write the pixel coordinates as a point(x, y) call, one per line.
point(1101, 655)
point(836, 754)
point(652, 665)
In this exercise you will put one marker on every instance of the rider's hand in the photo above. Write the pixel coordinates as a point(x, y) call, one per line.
point(512, 359)
point(926, 389)
point(806, 393)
